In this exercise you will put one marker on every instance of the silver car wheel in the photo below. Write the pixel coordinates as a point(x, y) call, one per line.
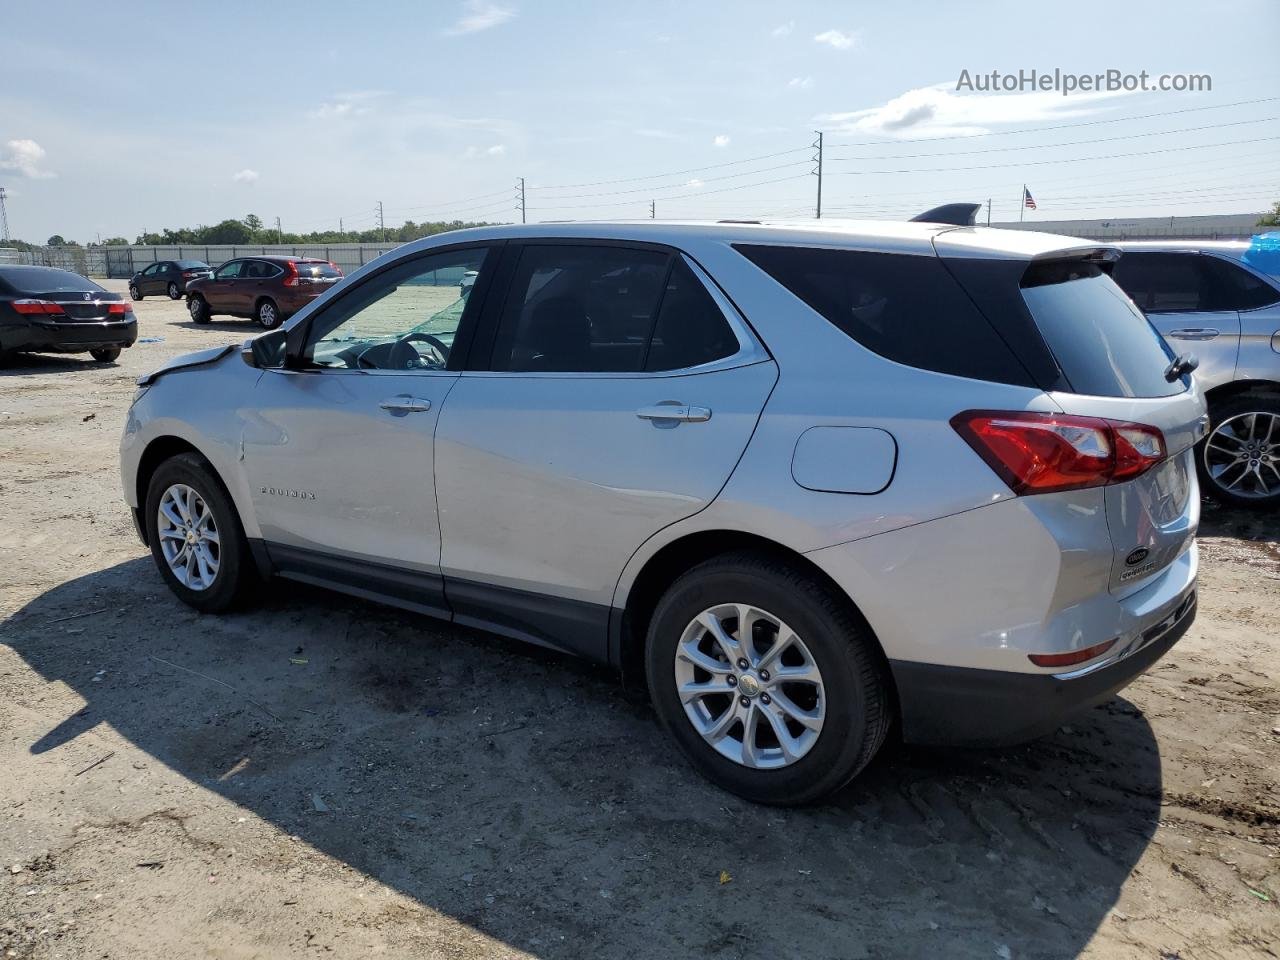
point(267, 314)
point(1242, 456)
point(188, 537)
point(750, 686)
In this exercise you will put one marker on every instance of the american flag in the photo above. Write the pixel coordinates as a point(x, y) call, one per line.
point(1028, 200)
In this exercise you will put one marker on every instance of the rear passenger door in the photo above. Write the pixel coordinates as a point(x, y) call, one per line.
point(614, 392)
point(1187, 299)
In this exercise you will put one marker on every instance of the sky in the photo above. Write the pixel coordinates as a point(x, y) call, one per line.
point(124, 116)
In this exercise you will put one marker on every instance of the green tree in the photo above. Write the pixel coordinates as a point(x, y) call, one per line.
point(253, 222)
point(228, 231)
point(115, 242)
point(56, 240)
point(1271, 219)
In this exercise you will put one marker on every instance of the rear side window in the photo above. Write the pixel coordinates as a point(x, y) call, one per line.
point(1190, 282)
point(259, 270)
point(1104, 345)
point(904, 307)
point(690, 330)
point(1244, 291)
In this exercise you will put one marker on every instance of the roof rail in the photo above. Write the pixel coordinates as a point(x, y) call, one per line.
point(756, 222)
point(956, 214)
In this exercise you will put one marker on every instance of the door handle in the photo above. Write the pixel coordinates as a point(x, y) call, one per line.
point(405, 404)
point(682, 412)
point(1194, 333)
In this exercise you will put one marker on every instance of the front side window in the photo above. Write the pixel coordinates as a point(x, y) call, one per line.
point(608, 309)
point(229, 271)
point(152, 270)
point(405, 318)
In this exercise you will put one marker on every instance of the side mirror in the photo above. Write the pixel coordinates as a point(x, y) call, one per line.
point(265, 352)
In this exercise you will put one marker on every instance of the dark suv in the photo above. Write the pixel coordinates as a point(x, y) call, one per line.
point(167, 276)
point(267, 289)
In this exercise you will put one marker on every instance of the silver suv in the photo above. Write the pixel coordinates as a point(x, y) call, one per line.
point(811, 481)
point(1222, 300)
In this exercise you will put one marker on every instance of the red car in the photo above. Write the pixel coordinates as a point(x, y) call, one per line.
point(268, 289)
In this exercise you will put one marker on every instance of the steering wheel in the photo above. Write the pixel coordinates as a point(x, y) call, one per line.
point(402, 356)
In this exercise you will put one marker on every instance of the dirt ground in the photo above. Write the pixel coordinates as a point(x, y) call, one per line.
point(321, 776)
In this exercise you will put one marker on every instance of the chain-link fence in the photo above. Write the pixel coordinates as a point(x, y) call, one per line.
point(123, 262)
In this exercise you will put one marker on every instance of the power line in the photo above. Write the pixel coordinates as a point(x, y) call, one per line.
point(1041, 163)
point(673, 173)
point(1060, 126)
point(673, 186)
point(617, 203)
point(1058, 146)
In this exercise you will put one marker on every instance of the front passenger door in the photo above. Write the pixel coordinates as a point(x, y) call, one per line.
point(222, 292)
point(619, 392)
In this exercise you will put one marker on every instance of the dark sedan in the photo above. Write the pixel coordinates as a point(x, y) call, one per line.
point(169, 277)
point(43, 310)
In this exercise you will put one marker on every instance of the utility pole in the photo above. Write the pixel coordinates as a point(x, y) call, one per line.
point(340, 229)
point(521, 199)
point(279, 232)
point(817, 160)
point(382, 224)
point(1022, 203)
point(988, 211)
point(4, 218)
point(653, 210)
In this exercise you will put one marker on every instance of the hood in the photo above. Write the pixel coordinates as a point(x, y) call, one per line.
point(200, 358)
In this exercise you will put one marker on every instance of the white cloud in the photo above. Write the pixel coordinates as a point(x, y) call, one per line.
point(245, 176)
point(346, 105)
point(25, 157)
point(497, 150)
point(837, 39)
point(939, 111)
point(721, 140)
point(800, 83)
point(480, 15)
point(695, 183)
point(784, 29)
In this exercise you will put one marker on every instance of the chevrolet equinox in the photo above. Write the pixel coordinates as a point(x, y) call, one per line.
point(810, 480)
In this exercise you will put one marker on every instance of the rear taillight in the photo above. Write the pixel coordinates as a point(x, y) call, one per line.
point(116, 307)
point(1046, 452)
point(291, 274)
point(30, 307)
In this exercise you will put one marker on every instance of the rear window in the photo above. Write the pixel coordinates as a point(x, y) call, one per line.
point(38, 281)
point(904, 307)
point(1104, 345)
point(317, 270)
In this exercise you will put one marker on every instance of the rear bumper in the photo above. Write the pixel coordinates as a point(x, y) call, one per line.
point(68, 337)
point(965, 707)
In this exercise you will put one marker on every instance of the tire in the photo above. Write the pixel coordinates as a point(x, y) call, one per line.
point(268, 314)
point(198, 307)
point(105, 354)
point(855, 694)
point(174, 292)
point(135, 292)
point(1243, 426)
point(234, 574)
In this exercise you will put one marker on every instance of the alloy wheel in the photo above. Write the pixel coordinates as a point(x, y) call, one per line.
point(750, 686)
point(189, 537)
point(267, 314)
point(1242, 455)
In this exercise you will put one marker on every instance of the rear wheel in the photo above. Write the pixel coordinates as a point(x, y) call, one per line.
point(1239, 462)
point(268, 315)
point(195, 535)
point(174, 292)
point(199, 309)
point(105, 354)
point(767, 681)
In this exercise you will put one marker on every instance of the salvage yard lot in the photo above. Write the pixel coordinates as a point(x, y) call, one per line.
point(322, 775)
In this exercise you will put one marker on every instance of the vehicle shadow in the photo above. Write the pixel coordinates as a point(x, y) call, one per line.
point(36, 364)
point(525, 795)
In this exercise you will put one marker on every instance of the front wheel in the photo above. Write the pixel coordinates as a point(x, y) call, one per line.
point(767, 680)
point(135, 292)
point(1239, 462)
point(195, 535)
point(269, 315)
point(174, 292)
point(198, 307)
point(105, 354)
